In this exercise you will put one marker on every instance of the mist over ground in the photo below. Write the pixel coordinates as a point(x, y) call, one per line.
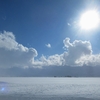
point(51, 71)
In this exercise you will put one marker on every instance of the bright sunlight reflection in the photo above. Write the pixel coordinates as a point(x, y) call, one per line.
point(89, 20)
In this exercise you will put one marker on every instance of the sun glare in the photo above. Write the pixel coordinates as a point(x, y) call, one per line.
point(89, 20)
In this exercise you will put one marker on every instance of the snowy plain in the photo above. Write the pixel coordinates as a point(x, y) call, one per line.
point(49, 88)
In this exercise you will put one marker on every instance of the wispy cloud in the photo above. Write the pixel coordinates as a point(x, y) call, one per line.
point(68, 24)
point(48, 45)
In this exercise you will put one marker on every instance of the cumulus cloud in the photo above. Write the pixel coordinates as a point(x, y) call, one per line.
point(78, 53)
point(89, 60)
point(73, 56)
point(14, 54)
point(48, 45)
point(54, 60)
point(75, 50)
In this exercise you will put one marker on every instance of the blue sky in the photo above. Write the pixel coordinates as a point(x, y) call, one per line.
point(46, 32)
point(36, 23)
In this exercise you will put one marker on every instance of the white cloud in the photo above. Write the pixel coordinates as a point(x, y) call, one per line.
point(72, 57)
point(89, 60)
point(14, 54)
point(48, 45)
point(79, 53)
point(75, 50)
point(54, 60)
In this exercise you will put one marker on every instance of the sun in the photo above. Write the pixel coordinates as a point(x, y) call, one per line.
point(89, 20)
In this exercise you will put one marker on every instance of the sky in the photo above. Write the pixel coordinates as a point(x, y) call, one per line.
point(45, 38)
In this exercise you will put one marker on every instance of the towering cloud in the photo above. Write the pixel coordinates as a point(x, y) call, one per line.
point(75, 50)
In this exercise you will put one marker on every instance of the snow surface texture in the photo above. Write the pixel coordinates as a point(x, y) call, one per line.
point(49, 88)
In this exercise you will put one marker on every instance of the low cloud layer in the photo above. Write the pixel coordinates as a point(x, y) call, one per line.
point(13, 54)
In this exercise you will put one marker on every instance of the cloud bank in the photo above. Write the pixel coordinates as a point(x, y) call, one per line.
point(13, 54)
